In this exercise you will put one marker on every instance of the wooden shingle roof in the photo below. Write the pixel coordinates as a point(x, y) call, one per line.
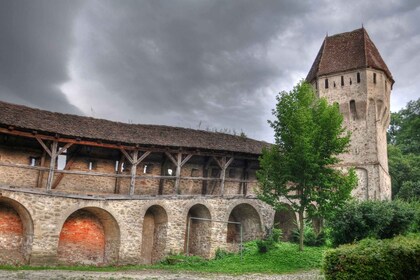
point(73, 126)
point(347, 51)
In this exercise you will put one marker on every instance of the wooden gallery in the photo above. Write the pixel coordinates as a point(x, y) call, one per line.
point(79, 190)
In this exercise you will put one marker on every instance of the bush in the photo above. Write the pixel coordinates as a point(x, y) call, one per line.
point(376, 219)
point(397, 258)
point(310, 237)
point(270, 240)
point(221, 254)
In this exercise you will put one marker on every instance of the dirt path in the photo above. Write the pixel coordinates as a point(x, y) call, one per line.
point(145, 275)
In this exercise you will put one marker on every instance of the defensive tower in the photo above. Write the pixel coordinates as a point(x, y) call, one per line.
point(349, 70)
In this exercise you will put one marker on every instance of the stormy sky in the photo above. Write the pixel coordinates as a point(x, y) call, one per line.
point(205, 64)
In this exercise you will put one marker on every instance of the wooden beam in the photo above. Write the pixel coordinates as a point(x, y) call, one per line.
point(68, 165)
point(127, 156)
point(127, 147)
point(225, 164)
point(53, 160)
point(143, 156)
point(133, 171)
point(178, 172)
point(41, 172)
point(174, 161)
point(43, 145)
point(187, 158)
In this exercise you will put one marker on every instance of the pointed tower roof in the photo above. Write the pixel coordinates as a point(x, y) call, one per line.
point(347, 51)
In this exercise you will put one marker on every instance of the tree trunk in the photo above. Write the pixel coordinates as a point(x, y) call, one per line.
point(301, 230)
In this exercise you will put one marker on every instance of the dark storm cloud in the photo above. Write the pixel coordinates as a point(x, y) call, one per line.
point(186, 62)
point(199, 64)
point(35, 40)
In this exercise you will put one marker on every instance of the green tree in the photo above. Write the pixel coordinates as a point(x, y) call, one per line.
point(404, 151)
point(308, 137)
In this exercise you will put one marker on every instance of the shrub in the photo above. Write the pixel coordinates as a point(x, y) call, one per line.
point(397, 258)
point(221, 254)
point(310, 237)
point(377, 219)
point(270, 240)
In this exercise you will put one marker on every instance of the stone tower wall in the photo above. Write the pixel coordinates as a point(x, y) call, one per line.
point(364, 102)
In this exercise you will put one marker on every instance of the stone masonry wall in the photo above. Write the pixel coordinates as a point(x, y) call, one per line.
point(122, 222)
point(365, 107)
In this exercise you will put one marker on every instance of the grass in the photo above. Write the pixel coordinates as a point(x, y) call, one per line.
point(285, 258)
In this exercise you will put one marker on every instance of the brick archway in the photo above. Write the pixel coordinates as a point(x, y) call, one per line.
point(89, 236)
point(155, 226)
point(199, 242)
point(16, 232)
point(248, 216)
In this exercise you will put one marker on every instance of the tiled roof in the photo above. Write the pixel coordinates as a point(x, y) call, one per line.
point(73, 126)
point(347, 51)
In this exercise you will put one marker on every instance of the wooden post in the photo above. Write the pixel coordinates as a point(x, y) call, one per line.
point(178, 172)
point(245, 176)
point(223, 166)
point(134, 160)
point(53, 159)
point(179, 162)
point(133, 171)
point(41, 172)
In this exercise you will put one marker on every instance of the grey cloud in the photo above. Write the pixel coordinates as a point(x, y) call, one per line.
point(36, 37)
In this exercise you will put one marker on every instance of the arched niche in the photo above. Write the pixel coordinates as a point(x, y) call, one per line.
point(198, 235)
point(16, 232)
point(155, 225)
point(248, 217)
point(89, 236)
point(285, 219)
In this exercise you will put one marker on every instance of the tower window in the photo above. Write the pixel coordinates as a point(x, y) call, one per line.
point(326, 83)
point(350, 81)
point(358, 77)
point(342, 80)
point(353, 109)
point(334, 84)
point(374, 78)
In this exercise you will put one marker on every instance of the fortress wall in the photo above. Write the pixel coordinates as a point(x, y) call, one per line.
point(70, 230)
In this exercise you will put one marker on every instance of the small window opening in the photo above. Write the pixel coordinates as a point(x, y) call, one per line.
point(374, 78)
point(147, 169)
point(342, 80)
point(326, 83)
point(117, 162)
point(194, 172)
point(33, 161)
point(350, 81)
point(334, 84)
point(386, 86)
point(91, 165)
point(122, 167)
point(232, 173)
point(358, 77)
point(316, 85)
point(353, 109)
